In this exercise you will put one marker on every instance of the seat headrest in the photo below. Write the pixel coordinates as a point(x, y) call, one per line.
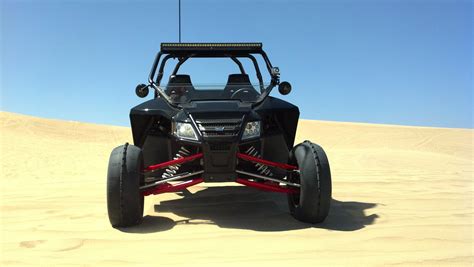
point(180, 79)
point(238, 79)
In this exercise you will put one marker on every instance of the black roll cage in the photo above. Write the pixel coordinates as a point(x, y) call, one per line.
point(184, 51)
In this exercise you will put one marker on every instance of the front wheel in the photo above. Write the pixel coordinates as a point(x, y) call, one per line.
point(312, 203)
point(124, 176)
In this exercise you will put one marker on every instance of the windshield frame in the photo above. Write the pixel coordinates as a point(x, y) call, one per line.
point(213, 52)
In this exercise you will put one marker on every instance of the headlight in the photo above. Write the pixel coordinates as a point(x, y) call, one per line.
point(252, 129)
point(184, 130)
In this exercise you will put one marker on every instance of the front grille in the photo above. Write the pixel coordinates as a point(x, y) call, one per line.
point(219, 127)
point(211, 134)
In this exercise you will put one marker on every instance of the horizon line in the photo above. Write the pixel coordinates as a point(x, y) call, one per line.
point(300, 119)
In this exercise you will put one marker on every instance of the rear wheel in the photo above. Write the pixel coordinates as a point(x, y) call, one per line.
point(312, 203)
point(124, 176)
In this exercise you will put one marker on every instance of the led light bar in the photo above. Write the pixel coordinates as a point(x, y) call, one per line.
point(203, 47)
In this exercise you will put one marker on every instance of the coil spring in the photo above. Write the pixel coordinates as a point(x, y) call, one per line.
point(263, 169)
point(173, 169)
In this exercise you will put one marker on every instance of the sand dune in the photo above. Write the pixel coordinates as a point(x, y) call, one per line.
point(402, 196)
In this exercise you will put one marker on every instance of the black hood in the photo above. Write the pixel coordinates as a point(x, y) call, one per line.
point(217, 106)
point(217, 109)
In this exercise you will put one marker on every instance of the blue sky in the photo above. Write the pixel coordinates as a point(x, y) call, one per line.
point(394, 61)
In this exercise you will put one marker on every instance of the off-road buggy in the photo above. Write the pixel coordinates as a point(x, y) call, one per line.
point(187, 135)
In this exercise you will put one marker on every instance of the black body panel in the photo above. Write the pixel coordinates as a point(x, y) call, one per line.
point(143, 115)
point(284, 114)
point(151, 127)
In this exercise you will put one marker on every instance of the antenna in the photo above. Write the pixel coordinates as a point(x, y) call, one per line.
point(179, 19)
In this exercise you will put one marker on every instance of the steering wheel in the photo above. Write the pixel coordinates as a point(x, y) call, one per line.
point(243, 92)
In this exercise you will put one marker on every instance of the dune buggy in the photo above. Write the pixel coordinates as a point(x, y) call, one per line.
point(189, 134)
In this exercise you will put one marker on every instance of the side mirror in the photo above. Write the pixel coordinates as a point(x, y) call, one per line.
point(284, 88)
point(142, 90)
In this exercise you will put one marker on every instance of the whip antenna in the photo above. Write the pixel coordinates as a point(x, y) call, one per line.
point(179, 19)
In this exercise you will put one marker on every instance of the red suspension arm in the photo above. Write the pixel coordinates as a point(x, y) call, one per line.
point(167, 188)
point(173, 162)
point(267, 162)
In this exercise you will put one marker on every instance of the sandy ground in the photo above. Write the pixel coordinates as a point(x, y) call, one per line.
point(402, 196)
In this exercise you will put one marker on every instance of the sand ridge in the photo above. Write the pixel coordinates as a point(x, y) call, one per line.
point(402, 196)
